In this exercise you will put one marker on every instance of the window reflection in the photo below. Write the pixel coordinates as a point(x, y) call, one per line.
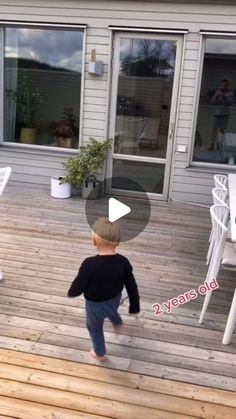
point(42, 80)
point(215, 139)
point(150, 176)
point(145, 85)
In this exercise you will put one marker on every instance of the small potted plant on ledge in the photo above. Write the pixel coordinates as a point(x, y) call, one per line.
point(28, 99)
point(65, 129)
point(83, 169)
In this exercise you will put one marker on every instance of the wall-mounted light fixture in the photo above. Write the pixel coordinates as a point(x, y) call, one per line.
point(95, 67)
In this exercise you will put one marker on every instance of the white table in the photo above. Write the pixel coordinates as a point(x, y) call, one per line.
point(230, 147)
point(232, 204)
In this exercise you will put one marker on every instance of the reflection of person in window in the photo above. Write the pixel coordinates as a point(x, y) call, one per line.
point(223, 98)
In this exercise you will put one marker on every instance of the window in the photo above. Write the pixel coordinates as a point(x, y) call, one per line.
point(42, 86)
point(215, 139)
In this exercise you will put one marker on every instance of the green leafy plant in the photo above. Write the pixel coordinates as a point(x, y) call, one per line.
point(28, 98)
point(88, 162)
point(66, 126)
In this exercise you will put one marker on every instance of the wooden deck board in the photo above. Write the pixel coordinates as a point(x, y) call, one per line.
point(177, 365)
point(73, 386)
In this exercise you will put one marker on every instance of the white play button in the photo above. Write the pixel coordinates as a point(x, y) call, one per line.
point(117, 210)
point(132, 214)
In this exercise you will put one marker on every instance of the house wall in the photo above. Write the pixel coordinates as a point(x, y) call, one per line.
point(186, 184)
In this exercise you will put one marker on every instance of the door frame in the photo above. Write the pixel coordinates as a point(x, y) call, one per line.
point(179, 38)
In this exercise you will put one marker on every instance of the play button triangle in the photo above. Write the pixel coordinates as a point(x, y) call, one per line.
point(117, 210)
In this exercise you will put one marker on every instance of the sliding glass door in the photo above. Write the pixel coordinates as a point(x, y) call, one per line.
point(143, 108)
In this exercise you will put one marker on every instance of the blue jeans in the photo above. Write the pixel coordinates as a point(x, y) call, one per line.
point(96, 313)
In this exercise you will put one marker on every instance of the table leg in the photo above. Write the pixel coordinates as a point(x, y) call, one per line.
point(230, 322)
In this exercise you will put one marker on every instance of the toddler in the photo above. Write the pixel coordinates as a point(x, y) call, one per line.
point(101, 279)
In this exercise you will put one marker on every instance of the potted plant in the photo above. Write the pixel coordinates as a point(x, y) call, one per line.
point(60, 188)
point(65, 129)
point(27, 98)
point(83, 169)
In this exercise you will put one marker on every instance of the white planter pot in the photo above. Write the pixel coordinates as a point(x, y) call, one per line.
point(58, 189)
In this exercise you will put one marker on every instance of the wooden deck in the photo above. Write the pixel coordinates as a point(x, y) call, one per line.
point(163, 367)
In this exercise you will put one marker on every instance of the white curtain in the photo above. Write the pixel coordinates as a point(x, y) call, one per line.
point(10, 82)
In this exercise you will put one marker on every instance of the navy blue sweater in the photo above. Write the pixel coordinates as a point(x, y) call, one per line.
point(101, 278)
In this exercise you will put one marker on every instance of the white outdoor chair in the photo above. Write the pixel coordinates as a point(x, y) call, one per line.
point(224, 254)
point(219, 196)
point(221, 181)
point(132, 128)
point(5, 173)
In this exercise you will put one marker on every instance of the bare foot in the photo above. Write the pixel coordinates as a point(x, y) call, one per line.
point(97, 357)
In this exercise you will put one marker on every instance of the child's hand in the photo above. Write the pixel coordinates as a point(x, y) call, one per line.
point(133, 311)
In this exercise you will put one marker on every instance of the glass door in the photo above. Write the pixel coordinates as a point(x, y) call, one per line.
point(143, 108)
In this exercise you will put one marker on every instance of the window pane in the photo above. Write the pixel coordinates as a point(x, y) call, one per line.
point(215, 139)
point(42, 80)
point(144, 96)
point(150, 176)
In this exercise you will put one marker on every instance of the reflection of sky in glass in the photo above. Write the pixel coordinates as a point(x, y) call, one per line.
point(141, 48)
point(53, 47)
point(221, 46)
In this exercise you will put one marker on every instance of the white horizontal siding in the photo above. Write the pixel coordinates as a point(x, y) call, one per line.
point(187, 82)
point(184, 116)
point(189, 74)
point(96, 100)
point(183, 132)
point(200, 198)
point(98, 124)
point(98, 40)
point(192, 45)
point(96, 116)
point(93, 132)
point(185, 123)
point(98, 15)
point(188, 187)
point(100, 11)
point(32, 167)
point(186, 108)
point(207, 177)
point(95, 108)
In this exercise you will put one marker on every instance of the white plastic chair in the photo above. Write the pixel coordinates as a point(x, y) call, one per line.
point(224, 254)
point(230, 322)
point(221, 181)
point(132, 131)
point(5, 173)
point(219, 196)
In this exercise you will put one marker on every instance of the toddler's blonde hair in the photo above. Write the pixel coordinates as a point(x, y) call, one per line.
point(106, 233)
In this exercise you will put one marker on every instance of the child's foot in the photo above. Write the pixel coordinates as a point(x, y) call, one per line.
point(97, 357)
